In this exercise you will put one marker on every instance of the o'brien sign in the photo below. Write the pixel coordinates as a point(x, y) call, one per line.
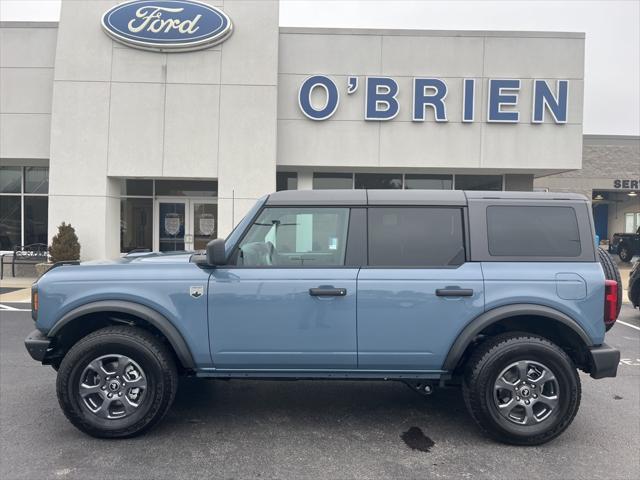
point(167, 25)
point(382, 99)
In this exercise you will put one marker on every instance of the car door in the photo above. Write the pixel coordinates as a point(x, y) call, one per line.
point(417, 292)
point(288, 301)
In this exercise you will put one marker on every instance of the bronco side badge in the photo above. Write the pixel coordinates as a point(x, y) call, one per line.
point(196, 292)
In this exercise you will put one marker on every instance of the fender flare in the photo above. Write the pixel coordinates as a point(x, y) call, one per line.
point(495, 315)
point(148, 314)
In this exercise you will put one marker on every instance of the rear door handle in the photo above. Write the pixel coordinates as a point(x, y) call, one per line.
point(327, 292)
point(454, 292)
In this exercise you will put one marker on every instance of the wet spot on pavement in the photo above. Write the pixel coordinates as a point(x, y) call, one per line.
point(417, 440)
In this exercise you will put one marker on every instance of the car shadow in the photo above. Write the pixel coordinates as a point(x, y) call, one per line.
point(358, 406)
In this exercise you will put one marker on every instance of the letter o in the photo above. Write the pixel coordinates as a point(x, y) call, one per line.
point(304, 97)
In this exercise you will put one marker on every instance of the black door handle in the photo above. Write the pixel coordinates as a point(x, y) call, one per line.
point(454, 292)
point(327, 292)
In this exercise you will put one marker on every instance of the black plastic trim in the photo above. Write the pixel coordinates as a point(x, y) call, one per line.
point(604, 361)
point(154, 318)
point(471, 331)
point(37, 345)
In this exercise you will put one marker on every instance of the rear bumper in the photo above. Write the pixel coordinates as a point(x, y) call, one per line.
point(604, 361)
point(37, 345)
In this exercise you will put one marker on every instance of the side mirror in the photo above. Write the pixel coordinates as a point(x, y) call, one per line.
point(216, 252)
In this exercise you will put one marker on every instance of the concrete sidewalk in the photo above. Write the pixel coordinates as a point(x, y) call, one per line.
point(23, 292)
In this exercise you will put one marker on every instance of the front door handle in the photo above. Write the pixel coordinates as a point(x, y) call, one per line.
point(454, 292)
point(327, 292)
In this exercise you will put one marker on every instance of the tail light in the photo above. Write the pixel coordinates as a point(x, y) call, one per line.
point(610, 303)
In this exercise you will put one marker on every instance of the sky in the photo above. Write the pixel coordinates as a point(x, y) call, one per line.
point(612, 27)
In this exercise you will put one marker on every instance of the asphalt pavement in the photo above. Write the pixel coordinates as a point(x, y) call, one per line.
point(315, 430)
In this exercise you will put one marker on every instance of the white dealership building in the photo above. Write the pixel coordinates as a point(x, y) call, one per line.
point(165, 149)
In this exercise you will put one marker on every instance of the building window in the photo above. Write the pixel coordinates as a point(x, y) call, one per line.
point(408, 181)
point(631, 222)
point(479, 182)
point(331, 181)
point(379, 181)
point(136, 224)
point(24, 206)
point(428, 182)
point(286, 181)
point(186, 188)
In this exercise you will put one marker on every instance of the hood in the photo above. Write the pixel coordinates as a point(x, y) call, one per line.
point(145, 258)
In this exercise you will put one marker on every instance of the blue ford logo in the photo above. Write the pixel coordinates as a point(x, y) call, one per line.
point(167, 25)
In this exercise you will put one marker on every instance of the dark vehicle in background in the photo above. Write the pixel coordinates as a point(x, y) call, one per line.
point(626, 245)
point(634, 285)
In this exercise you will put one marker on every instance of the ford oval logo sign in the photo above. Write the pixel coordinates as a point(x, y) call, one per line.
point(167, 25)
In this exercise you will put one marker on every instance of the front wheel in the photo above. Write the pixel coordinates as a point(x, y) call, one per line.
point(521, 389)
point(625, 253)
point(116, 382)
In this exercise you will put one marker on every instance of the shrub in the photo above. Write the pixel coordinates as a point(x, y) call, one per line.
point(65, 245)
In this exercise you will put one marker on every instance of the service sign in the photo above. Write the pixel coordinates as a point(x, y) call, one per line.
point(167, 25)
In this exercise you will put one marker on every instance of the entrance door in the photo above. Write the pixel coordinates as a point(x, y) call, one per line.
point(183, 224)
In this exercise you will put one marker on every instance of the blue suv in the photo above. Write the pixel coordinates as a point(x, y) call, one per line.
point(501, 293)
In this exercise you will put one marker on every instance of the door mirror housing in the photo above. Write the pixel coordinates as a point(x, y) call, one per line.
point(216, 252)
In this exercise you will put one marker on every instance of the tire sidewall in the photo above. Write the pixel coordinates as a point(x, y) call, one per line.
point(568, 391)
point(74, 364)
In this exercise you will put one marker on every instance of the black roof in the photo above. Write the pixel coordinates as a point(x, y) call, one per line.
point(404, 197)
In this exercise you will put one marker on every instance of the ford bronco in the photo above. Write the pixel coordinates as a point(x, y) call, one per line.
point(500, 293)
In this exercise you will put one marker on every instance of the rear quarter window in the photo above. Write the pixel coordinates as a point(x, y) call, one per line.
point(533, 231)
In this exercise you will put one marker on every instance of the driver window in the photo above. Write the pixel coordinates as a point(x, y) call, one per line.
point(296, 237)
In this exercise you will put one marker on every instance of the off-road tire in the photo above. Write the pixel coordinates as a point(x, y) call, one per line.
point(142, 347)
point(611, 272)
point(485, 365)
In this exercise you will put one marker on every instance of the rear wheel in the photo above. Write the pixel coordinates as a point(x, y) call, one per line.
point(521, 389)
point(611, 272)
point(116, 382)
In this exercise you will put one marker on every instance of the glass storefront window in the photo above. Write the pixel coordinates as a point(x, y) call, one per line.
point(379, 181)
point(204, 224)
point(329, 181)
point(35, 219)
point(428, 182)
point(286, 181)
point(23, 206)
point(136, 224)
point(186, 188)
point(36, 180)
point(131, 187)
point(10, 179)
point(479, 182)
point(10, 222)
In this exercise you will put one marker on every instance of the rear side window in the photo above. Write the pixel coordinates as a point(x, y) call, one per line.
point(521, 231)
point(415, 236)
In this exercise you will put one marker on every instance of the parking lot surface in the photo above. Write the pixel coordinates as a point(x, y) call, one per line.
point(305, 429)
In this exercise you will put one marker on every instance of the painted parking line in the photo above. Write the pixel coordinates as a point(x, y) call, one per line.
point(628, 324)
point(7, 308)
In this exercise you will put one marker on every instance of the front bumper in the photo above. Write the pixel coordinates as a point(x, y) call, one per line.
point(604, 361)
point(37, 345)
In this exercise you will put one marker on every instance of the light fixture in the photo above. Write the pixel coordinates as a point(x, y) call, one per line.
point(598, 197)
point(632, 194)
